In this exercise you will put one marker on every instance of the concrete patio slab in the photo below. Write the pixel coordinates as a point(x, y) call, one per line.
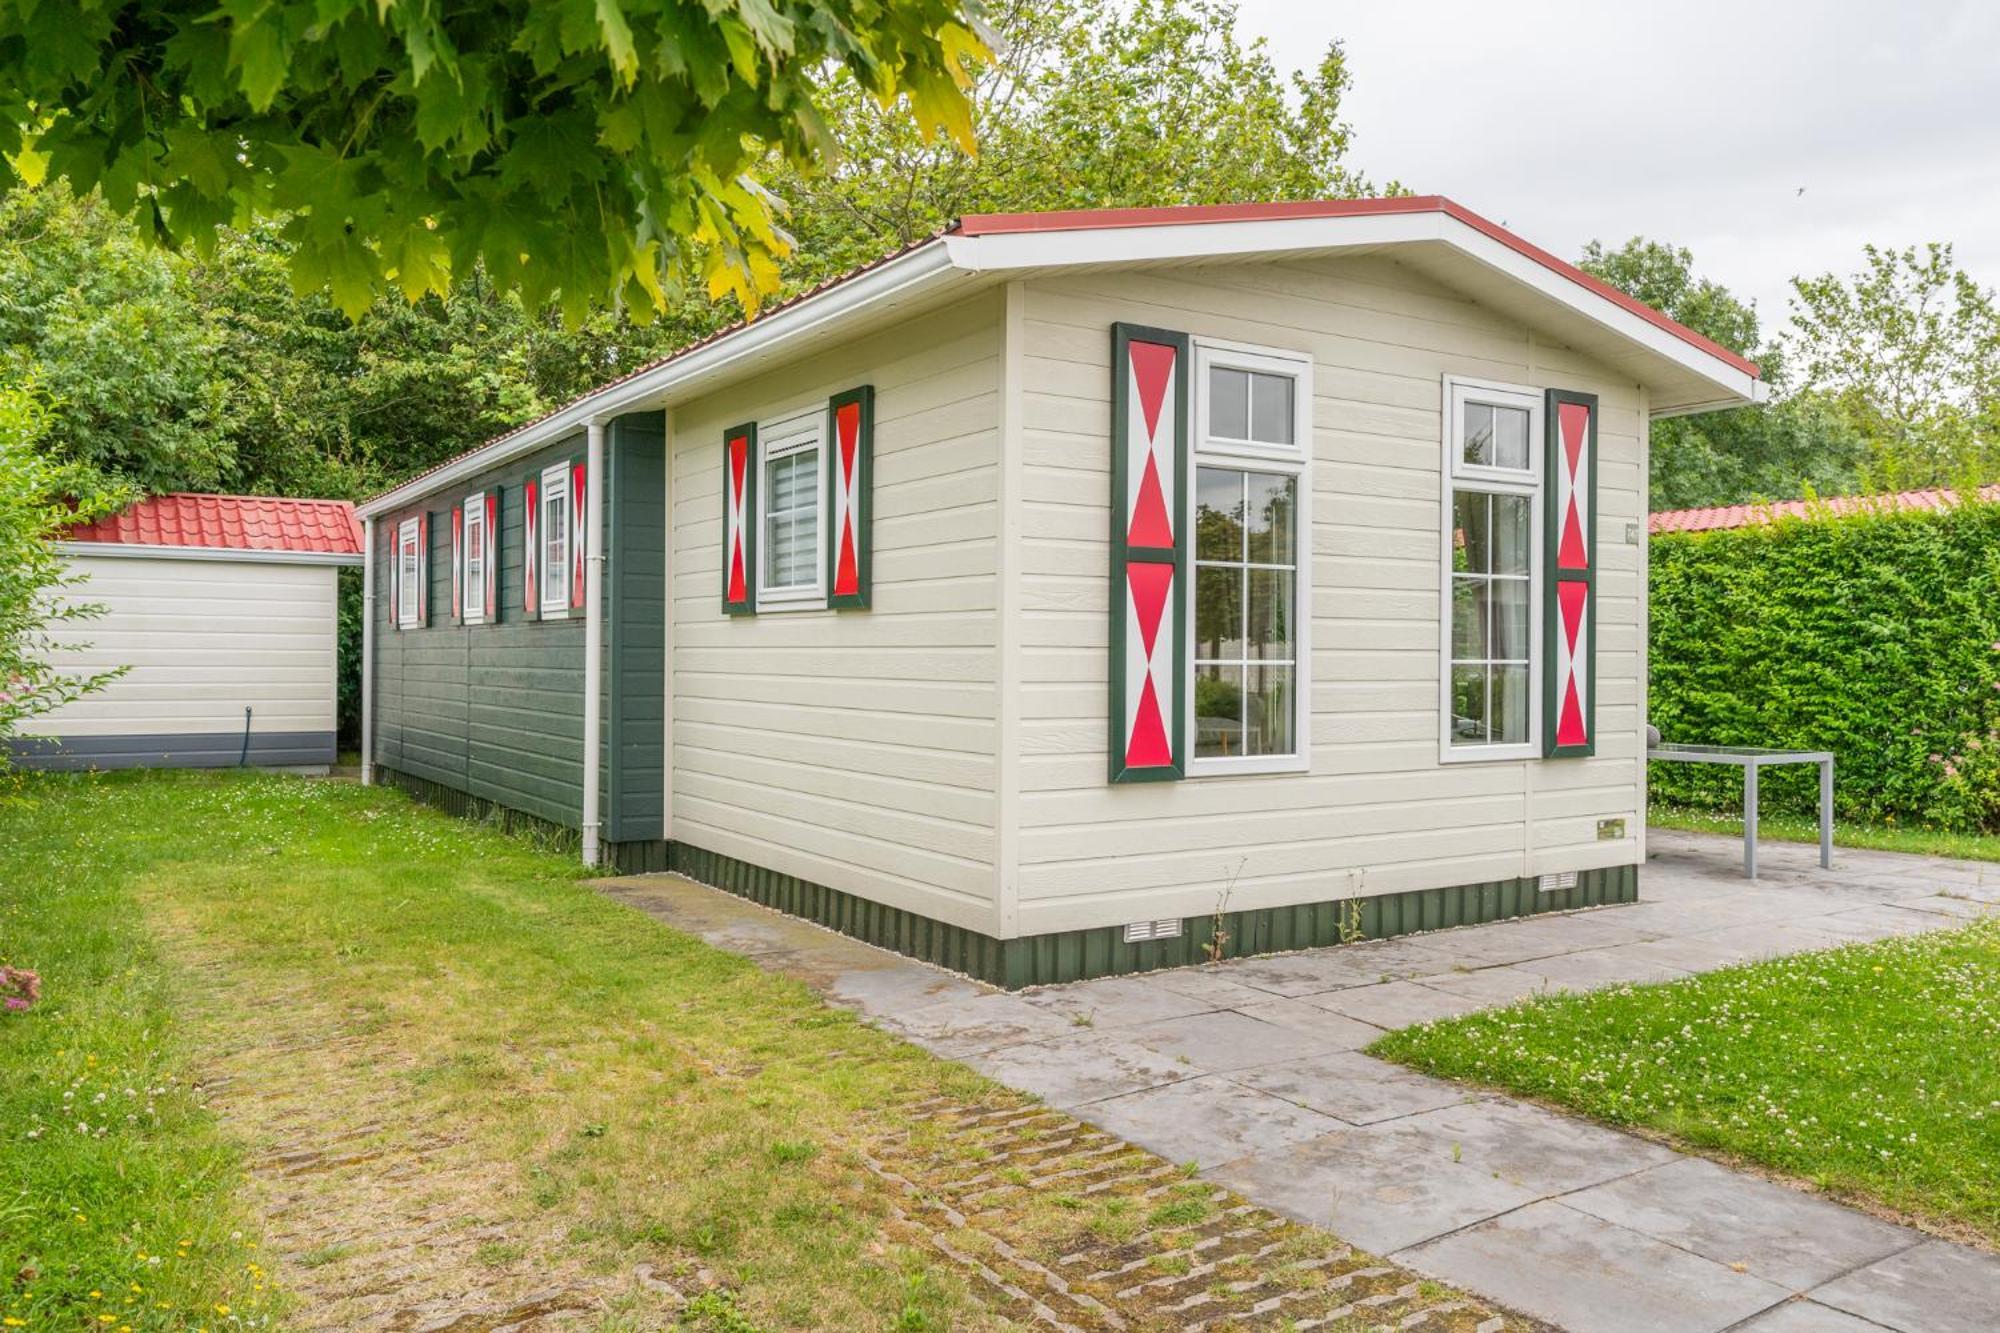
point(1396, 1004)
point(1525, 1145)
point(1550, 1261)
point(967, 1025)
point(1117, 1002)
point(1492, 985)
point(1778, 1234)
point(1936, 1287)
point(1338, 1032)
point(1207, 1120)
point(1084, 1067)
point(1592, 968)
point(1355, 1088)
point(1381, 1201)
point(1803, 1316)
point(1217, 1042)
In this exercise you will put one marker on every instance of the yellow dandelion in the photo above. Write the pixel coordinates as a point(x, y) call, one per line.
point(222, 1309)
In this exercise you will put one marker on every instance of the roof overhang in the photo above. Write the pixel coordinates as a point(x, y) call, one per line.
point(1683, 372)
point(227, 554)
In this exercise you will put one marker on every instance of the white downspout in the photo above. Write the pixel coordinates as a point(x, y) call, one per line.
point(593, 638)
point(368, 652)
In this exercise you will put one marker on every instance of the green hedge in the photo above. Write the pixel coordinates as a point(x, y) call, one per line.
point(1873, 635)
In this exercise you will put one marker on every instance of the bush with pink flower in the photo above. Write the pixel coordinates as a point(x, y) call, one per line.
point(19, 989)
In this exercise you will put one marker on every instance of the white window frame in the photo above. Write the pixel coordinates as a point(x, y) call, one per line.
point(472, 580)
point(555, 485)
point(409, 578)
point(1293, 460)
point(1456, 475)
point(792, 433)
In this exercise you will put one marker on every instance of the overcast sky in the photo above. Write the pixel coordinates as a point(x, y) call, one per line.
point(1689, 121)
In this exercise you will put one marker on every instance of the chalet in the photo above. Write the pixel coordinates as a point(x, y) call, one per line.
point(1076, 593)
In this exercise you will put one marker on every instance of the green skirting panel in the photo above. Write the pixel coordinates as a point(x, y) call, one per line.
point(1073, 955)
point(1076, 955)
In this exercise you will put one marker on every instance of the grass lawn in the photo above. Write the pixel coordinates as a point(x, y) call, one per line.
point(310, 1054)
point(1802, 828)
point(1872, 1071)
point(594, 1091)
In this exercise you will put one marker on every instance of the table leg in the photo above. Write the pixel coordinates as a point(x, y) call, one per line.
point(1826, 814)
point(1750, 821)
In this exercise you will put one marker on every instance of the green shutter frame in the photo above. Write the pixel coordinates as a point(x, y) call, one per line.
point(850, 498)
point(739, 519)
point(1572, 574)
point(1143, 747)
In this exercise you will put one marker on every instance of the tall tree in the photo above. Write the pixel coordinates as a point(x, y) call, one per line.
point(598, 150)
point(1777, 452)
point(1907, 353)
point(1088, 104)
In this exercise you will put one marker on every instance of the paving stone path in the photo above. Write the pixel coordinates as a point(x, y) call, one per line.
point(1251, 1070)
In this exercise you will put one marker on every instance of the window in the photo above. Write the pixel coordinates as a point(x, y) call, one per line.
point(789, 498)
point(1493, 524)
point(472, 591)
point(409, 573)
point(554, 537)
point(1251, 596)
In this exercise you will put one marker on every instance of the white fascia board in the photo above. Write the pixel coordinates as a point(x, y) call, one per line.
point(227, 555)
point(1005, 252)
point(923, 268)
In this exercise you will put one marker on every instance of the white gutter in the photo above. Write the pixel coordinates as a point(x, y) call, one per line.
point(367, 653)
point(593, 638)
point(226, 554)
point(683, 375)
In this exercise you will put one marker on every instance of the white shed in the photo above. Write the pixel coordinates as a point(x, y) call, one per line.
point(223, 611)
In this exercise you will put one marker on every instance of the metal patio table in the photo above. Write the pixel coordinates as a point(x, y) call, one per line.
point(1749, 758)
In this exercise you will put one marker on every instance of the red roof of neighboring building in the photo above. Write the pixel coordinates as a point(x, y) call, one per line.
point(230, 523)
point(1741, 516)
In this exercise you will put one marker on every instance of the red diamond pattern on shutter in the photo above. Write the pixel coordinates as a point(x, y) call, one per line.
point(490, 594)
point(531, 548)
point(1569, 725)
point(853, 426)
point(1148, 682)
point(736, 479)
point(457, 560)
point(1148, 559)
point(1572, 649)
point(577, 534)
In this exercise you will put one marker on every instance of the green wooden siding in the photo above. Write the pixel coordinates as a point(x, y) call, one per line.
point(635, 609)
point(493, 711)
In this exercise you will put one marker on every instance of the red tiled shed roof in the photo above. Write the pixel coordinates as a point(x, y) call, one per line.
point(230, 523)
point(1739, 516)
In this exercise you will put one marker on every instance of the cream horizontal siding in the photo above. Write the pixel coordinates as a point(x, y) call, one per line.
point(1377, 812)
point(202, 639)
point(855, 749)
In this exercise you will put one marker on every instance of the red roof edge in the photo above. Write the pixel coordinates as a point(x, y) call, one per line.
point(190, 520)
point(1718, 517)
point(1085, 219)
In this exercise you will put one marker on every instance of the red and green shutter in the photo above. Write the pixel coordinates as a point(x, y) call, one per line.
point(578, 575)
point(424, 568)
point(489, 592)
point(1569, 703)
point(853, 433)
point(457, 563)
point(395, 575)
point(1149, 553)
point(531, 546)
point(739, 519)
